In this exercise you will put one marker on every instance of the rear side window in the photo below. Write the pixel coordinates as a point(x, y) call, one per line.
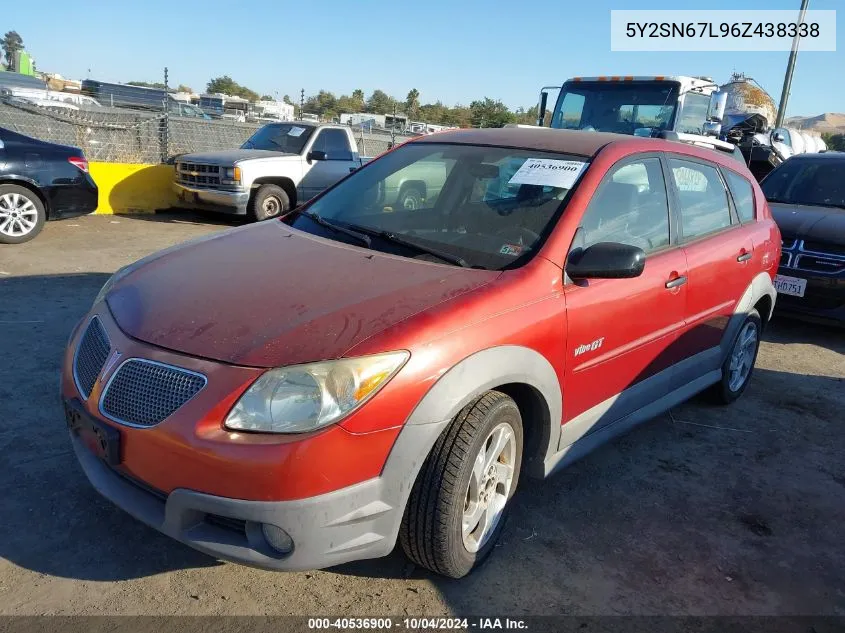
point(630, 207)
point(702, 196)
point(743, 195)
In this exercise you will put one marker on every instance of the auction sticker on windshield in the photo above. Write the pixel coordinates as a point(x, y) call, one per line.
point(296, 131)
point(548, 173)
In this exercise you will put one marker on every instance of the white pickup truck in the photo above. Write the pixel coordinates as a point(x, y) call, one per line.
point(281, 166)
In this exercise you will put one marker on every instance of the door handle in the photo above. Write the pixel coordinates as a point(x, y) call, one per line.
point(677, 282)
point(744, 257)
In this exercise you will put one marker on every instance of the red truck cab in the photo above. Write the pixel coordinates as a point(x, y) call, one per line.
point(305, 391)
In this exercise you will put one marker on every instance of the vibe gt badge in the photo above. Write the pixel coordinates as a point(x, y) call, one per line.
point(589, 347)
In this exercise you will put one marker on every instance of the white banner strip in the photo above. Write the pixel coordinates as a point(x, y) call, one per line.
point(716, 30)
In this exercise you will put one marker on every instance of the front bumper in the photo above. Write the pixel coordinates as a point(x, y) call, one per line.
point(353, 523)
point(823, 300)
point(231, 202)
point(339, 495)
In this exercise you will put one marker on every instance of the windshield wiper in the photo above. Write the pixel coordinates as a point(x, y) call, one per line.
point(392, 237)
point(315, 217)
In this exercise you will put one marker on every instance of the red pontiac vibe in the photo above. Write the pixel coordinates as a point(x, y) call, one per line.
point(302, 392)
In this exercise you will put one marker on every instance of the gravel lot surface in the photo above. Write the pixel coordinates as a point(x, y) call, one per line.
point(732, 511)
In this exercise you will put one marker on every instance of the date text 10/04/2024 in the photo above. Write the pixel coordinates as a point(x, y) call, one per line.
point(422, 623)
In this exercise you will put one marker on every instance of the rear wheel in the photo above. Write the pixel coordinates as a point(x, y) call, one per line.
point(268, 202)
point(739, 365)
point(22, 214)
point(459, 501)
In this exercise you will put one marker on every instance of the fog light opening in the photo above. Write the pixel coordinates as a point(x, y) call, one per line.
point(277, 538)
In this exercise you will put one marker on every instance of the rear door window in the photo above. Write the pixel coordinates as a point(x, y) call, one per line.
point(743, 195)
point(702, 196)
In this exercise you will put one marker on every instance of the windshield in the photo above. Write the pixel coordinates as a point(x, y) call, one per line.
point(280, 137)
point(638, 108)
point(815, 182)
point(487, 207)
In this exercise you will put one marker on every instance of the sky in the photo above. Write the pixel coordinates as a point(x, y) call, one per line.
point(454, 51)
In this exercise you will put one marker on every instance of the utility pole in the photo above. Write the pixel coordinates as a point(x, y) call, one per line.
point(790, 67)
point(301, 102)
point(165, 122)
point(393, 128)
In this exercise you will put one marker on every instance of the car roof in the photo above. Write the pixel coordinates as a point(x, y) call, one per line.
point(573, 142)
point(827, 155)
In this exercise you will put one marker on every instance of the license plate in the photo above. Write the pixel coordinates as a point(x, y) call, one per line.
point(101, 439)
point(794, 286)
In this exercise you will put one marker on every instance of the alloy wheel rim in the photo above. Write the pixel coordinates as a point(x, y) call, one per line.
point(489, 487)
point(18, 215)
point(742, 357)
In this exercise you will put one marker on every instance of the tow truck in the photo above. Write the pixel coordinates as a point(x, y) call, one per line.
point(680, 108)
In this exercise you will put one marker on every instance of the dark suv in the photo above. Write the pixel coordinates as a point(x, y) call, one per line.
point(807, 198)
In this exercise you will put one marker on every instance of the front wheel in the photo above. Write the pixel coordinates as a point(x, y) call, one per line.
point(268, 202)
point(459, 501)
point(739, 365)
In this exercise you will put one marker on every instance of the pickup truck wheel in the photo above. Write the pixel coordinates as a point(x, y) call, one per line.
point(459, 501)
point(22, 214)
point(411, 198)
point(268, 202)
point(739, 365)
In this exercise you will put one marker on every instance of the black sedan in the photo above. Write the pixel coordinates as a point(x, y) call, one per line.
point(807, 197)
point(40, 181)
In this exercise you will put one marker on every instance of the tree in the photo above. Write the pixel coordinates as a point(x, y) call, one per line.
point(490, 113)
point(267, 98)
point(527, 117)
point(228, 86)
point(380, 103)
point(412, 103)
point(184, 88)
point(11, 43)
point(146, 84)
point(358, 98)
point(834, 141)
point(287, 100)
point(323, 103)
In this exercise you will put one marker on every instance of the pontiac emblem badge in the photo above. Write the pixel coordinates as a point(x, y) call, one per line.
point(110, 363)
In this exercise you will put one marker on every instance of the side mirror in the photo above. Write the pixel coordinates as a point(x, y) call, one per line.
point(778, 137)
point(606, 260)
point(716, 110)
point(541, 111)
point(316, 155)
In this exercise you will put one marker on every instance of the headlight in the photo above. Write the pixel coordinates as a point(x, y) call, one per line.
point(303, 398)
point(231, 176)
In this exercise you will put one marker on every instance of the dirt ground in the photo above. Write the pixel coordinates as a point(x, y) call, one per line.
point(731, 511)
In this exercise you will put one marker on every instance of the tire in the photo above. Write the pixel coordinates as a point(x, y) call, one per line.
point(735, 380)
point(447, 487)
point(269, 201)
point(411, 198)
point(22, 214)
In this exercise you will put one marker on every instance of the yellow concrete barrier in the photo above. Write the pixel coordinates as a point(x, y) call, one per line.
point(133, 188)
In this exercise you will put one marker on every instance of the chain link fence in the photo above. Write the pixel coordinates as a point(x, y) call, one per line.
point(133, 136)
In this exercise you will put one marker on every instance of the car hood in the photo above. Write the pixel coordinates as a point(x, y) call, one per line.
point(819, 224)
point(267, 295)
point(230, 156)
